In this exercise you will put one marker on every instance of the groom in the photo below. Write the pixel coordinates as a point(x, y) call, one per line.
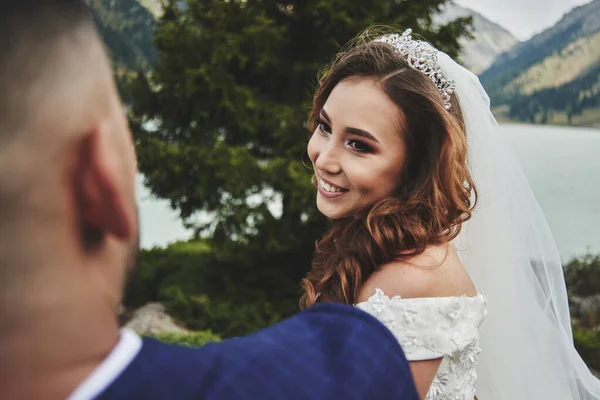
point(69, 237)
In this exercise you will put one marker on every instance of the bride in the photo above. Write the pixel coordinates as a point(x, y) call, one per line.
point(435, 230)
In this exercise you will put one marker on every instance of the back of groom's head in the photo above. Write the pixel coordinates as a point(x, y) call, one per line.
point(59, 111)
point(31, 34)
point(68, 217)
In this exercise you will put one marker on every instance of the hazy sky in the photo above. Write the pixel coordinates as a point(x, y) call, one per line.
point(523, 18)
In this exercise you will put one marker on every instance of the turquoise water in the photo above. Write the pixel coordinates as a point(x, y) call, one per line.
point(563, 168)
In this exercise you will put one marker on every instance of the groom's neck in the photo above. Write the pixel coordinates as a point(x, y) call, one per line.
point(50, 344)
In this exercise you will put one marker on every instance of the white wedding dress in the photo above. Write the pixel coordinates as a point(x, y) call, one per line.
point(432, 328)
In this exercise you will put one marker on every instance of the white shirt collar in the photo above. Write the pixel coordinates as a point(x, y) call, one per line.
point(104, 375)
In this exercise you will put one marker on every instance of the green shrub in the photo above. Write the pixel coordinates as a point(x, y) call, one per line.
point(197, 338)
point(222, 291)
point(587, 344)
point(157, 266)
point(227, 316)
point(583, 276)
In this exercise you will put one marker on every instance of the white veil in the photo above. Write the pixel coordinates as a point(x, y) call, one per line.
point(509, 251)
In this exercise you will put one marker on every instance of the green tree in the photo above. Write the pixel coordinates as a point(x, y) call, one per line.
point(583, 276)
point(220, 122)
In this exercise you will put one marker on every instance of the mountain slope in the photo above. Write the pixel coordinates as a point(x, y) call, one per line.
point(154, 6)
point(563, 66)
point(127, 29)
point(554, 77)
point(570, 45)
point(490, 39)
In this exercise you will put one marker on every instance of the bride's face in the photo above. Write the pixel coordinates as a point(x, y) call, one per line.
point(356, 150)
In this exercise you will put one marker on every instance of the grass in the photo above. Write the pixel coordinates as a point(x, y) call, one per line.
point(192, 246)
point(194, 339)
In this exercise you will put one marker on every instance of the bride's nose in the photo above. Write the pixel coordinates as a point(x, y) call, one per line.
point(328, 160)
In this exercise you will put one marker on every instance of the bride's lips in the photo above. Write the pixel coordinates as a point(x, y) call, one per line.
point(330, 195)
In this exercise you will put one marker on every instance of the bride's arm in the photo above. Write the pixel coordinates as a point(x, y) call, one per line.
point(423, 373)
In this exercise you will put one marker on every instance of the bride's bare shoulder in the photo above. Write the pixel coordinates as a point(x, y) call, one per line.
point(437, 272)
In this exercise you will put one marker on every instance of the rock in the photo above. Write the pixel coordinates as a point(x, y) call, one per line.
point(152, 319)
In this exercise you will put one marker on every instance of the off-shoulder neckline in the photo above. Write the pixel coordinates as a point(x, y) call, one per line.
point(379, 294)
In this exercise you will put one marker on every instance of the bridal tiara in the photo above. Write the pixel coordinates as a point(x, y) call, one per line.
point(423, 57)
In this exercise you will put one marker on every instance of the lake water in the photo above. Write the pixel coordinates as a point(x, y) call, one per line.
point(563, 168)
point(562, 165)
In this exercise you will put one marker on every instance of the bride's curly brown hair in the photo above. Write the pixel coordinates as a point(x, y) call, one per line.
point(436, 194)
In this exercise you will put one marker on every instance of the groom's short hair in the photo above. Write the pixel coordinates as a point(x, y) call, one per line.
point(54, 72)
point(29, 32)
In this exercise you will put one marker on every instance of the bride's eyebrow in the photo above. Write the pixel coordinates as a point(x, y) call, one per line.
point(325, 115)
point(353, 131)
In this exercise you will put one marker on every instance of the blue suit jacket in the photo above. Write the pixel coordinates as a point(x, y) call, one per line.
point(329, 351)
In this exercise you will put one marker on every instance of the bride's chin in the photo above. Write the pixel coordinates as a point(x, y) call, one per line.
point(333, 214)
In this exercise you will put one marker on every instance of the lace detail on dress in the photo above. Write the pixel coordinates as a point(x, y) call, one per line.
point(430, 328)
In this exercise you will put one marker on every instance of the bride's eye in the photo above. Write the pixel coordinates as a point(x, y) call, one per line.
point(323, 127)
point(359, 146)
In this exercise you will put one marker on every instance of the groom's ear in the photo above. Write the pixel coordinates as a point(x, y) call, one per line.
point(99, 189)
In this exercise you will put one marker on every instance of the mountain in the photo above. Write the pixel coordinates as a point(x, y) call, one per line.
point(490, 39)
point(127, 28)
point(556, 71)
point(154, 6)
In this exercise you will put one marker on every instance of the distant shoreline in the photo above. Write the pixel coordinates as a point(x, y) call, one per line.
point(590, 118)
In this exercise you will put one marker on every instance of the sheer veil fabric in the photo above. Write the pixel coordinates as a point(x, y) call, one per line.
point(511, 256)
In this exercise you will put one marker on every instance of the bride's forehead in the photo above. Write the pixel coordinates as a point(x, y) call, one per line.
point(361, 99)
